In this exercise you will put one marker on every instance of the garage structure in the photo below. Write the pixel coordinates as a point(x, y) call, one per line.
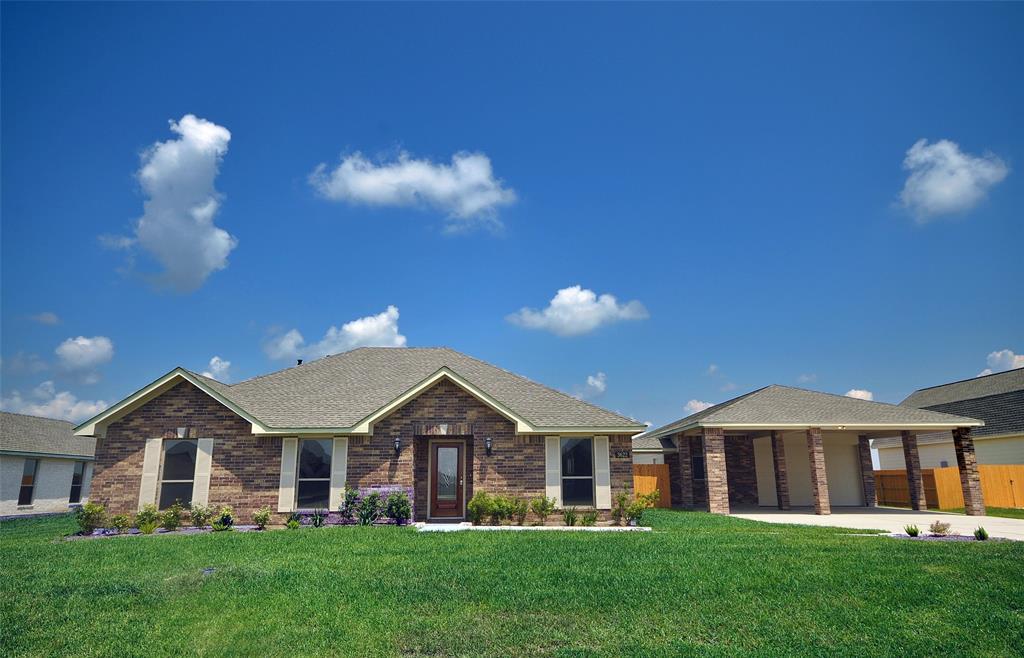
point(790, 447)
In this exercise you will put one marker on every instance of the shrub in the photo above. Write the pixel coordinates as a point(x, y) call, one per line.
point(635, 512)
point(504, 507)
point(293, 524)
point(261, 517)
point(318, 518)
point(120, 522)
point(912, 530)
point(480, 507)
point(569, 516)
point(171, 518)
point(938, 528)
point(201, 515)
point(369, 509)
point(90, 516)
point(147, 527)
point(349, 503)
point(295, 516)
point(651, 499)
point(619, 511)
point(148, 514)
point(980, 534)
point(589, 519)
point(398, 508)
point(225, 519)
point(542, 507)
point(519, 510)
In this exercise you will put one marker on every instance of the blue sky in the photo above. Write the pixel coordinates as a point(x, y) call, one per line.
point(735, 176)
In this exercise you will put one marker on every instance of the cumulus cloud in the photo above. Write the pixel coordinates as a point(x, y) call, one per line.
point(575, 311)
point(379, 330)
point(944, 180)
point(46, 317)
point(83, 353)
point(46, 401)
point(177, 227)
point(466, 190)
point(860, 394)
point(693, 406)
point(595, 386)
point(22, 363)
point(1002, 360)
point(218, 369)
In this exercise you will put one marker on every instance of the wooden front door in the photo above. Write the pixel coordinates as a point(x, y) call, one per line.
point(447, 475)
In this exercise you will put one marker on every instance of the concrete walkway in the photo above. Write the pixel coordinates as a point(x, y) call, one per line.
point(888, 519)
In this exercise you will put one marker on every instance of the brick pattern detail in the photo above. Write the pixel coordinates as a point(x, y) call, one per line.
point(781, 475)
point(675, 478)
point(970, 481)
point(867, 471)
point(819, 479)
point(717, 473)
point(739, 465)
point(684, 456)
point(914, 478)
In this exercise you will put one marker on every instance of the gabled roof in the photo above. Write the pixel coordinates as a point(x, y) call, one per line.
point(967, 389)
point(346, 393)
point(33, 435)
point(785, 407)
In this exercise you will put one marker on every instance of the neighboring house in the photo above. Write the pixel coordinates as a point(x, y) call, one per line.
point(785, 447)
point(437, 423)
point(996, 399)
point(44, 467)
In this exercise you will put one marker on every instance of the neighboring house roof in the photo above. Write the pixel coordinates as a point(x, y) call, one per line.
point(347, 392)
point(646, 443)
point(782, 407)
point(42, 436)
point(967, 389)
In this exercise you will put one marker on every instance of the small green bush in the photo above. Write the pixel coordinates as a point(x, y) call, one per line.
point(398, 508)
point(200, 515)
point(520, 508)
point(650, 499)
point(148, 514)
point(480, 507)
point(120, 522)
point(619, 511)
point(261, 517)
point(318, 518)
point(589, 519)
point(635, 512)
point(570, 516)
point(171, 518)
point(148, 527)
point(293, 524)
point(369, 509)
point(225, 519)
point(542, 507)
point(939, 529)
point(504, 508)
point(980, 533)
point(90, 516)
point(912, 530)
point(349, 503)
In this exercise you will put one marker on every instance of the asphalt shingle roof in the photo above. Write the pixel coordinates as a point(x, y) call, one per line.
point(968, 389)
point(343, 389)
point(21, 433)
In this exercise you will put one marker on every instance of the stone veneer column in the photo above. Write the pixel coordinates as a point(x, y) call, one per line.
point(970, 481)
point(867, 471)
point(819, 479)
point(914, 478)
point(781, 479)
point(685, 471)
point(714, 465)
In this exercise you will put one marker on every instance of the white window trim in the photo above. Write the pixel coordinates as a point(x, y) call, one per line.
point(593, 471)
point(161, 481)
point(300, 480)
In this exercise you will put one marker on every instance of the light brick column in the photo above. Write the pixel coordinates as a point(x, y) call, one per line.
point(819, 479)
point(714, 465)
point(970, 481)
point(867, 471)
point(685, 471)
point(781, 479)
point(914, 479)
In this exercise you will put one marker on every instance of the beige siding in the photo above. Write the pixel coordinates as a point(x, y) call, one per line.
point(1008, 450)
point(52, 489)
point(764, 466)
point(648, 458)
point(842, 467)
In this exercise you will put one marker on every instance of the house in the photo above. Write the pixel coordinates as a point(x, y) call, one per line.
point(44, 467)
point(783, 446)
point(432, 421)
point(997, 399)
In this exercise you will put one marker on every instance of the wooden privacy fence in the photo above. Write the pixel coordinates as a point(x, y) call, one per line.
point(648, 477)
point(1002, 485)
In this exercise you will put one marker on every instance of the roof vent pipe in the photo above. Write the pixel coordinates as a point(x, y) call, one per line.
point(298, 362)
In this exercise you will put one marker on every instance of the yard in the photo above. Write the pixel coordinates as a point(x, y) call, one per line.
point(700, 583)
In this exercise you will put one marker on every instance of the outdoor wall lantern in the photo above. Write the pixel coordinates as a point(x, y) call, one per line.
point(488, 442)
point(398, 444)
point(182, 432)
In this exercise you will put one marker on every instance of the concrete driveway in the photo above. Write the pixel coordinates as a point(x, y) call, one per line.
point(889, 519)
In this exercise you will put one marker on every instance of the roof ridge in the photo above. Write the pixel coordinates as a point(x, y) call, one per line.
point(705, 412)
point(23, 415)
point(966, 379)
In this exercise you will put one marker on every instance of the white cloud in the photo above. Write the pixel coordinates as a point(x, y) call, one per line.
point(575, 311)
point(46, 317)
point(944, 180)
point(24, 363)
point(218, 369)
point(379, 330)
point(46, 401)
point(83, 353)
point(860, 394)
point(1002, 360)
point(807, 378)
point(693, 406)
point(712, 370)
point(595, 386)
point(177, 227)
point(466, 189)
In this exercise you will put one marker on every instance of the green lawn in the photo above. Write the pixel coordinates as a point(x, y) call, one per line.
point(1007, 512)
point(698, 584)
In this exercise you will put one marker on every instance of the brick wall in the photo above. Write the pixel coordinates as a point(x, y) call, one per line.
point(739, 465)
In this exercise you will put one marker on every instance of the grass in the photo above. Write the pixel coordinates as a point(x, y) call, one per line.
point(699, 584)
point(1005, 512)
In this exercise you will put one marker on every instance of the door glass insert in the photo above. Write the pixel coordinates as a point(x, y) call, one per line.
point(447, 472)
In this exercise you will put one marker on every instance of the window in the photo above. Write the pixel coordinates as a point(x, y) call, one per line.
point(76, 482)
point(697, 460)
point(314, 488)
point(577, 472)
point(943, 464)
point(28, 481)
point(179, 472)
